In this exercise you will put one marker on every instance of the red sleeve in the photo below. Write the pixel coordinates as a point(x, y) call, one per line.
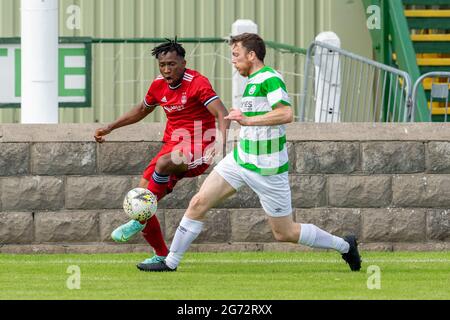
point(205, 91)
point(150, 99)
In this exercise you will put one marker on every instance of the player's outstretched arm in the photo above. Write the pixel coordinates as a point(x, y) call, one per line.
point(280, 115)
point(220, 112)
point(136, 114)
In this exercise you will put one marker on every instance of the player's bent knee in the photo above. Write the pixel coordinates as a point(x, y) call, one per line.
point(197, 202)
point(163, 164)
point(168, 165)
point(200, 203)
point(197, 208)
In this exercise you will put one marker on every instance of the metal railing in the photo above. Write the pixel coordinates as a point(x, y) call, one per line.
point(341, 86)
point(438, 85)
point(395, 36)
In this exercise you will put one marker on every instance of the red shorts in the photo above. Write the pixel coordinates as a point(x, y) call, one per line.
point(195, 155)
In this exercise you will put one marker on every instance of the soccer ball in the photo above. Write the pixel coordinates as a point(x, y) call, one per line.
point(140, 204)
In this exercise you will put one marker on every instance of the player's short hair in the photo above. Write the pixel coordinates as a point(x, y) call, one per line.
point(251, 42)
point(169, 46)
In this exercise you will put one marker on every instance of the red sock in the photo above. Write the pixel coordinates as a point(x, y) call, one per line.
point(153, 234)
point(158, 189)
point(152, 231)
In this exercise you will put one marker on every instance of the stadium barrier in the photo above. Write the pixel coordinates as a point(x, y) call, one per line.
point(351, 88)
point(437, 83)
point(325, 83)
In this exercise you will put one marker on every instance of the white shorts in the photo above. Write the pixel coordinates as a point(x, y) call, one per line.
point(273, 192)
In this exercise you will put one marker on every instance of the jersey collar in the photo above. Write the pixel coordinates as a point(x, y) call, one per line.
point(258, 72)
point(176, 87)
point(179, 85)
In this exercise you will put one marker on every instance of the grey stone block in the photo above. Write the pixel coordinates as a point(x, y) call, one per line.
point(292, 157)
point(393, 157)
point(67, 226)
point(308, 191)
point(181, 195)
point(243, 198)
point(438, 159)
point(135, 180)
point(421, 191)
point(14, 159)
point(422, 247)
point(249, 225)
point(376, 246)
point(99, 192)
point(326, 157)
point(359, 191)
point(339, 222)
point(126, 158)
point(438, 225)
point(63, 158)
point(16, 227)
point(32, 193)
point(397, 225)
point(111, 219)
point(217, 227)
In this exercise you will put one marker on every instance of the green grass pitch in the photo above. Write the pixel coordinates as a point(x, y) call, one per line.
point(223, 276)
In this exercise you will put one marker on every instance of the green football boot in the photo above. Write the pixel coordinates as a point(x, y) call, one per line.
point(126, 231)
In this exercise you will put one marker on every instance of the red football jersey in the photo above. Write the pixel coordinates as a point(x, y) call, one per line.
point(185, 107)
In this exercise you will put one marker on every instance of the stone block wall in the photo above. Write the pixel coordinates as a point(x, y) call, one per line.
point(387, 183)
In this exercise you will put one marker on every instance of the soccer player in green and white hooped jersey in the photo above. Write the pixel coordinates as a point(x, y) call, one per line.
point(262, 149)
point(259, 161)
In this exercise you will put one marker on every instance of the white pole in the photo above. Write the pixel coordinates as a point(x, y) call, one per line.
point(239, 82)
point(39, 44)
point(328, 80)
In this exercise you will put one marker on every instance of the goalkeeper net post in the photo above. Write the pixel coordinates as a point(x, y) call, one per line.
point(39, 45)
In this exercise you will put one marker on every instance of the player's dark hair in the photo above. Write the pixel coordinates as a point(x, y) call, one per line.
point(169, 46)
point(251, 42)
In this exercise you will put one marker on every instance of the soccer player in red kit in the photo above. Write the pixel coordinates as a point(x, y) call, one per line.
point(191, 107)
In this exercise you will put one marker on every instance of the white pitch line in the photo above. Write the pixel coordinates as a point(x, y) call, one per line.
point(228, 261)
point(250, 261)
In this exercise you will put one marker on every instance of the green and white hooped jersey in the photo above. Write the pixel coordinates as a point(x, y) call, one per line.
point(263, 149)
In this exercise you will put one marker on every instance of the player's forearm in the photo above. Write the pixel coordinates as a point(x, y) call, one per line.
point(136, 114)
point(223, 126)
point(276, 117)
point(220, 112)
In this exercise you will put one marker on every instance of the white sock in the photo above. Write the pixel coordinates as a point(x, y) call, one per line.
point(186, 233)
point(314, 237)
